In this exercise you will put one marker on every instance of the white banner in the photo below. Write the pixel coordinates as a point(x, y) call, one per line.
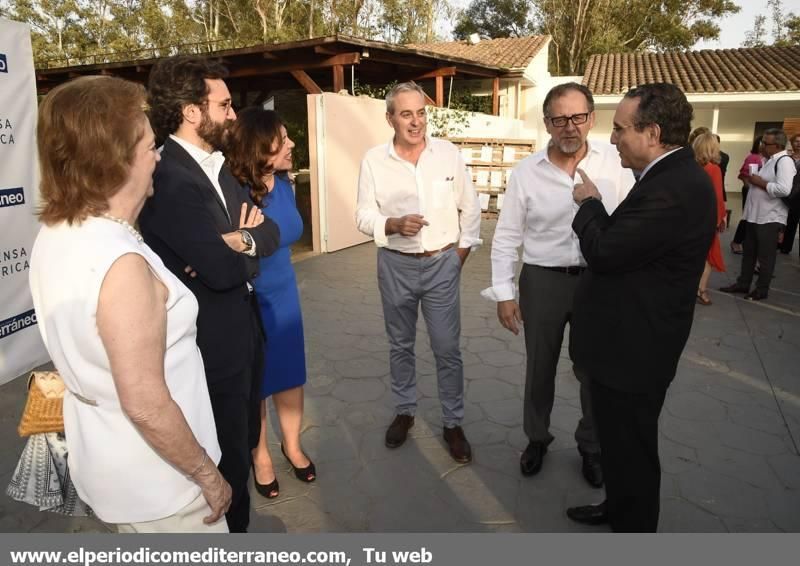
point(21, 346)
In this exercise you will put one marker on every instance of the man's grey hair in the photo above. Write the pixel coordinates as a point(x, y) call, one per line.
point(409, 86)
point(778, 134)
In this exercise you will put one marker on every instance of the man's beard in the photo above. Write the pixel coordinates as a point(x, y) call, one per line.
point(570, 147)
point(214, 134)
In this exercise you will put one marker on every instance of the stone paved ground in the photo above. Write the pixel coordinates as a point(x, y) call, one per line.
point(730, 428)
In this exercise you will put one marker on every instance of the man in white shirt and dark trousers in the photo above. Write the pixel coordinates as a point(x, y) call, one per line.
point(765, 214)
point(537, 214)
point(416, 199)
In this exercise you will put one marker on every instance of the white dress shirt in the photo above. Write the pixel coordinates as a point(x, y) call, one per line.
point(439, 188)
point(538, 211)
point(210, 163)
point(765, 206)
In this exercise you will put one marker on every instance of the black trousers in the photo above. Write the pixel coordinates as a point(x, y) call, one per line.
point(791, 229)
point(236, 405)
point(627, 426)
point(760, 243)
point(738, 237)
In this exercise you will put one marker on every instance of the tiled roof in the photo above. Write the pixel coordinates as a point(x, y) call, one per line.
point(509, 53)
point(756, 69)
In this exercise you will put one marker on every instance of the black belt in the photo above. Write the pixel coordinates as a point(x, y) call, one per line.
point(571, 270)
point(430, 253)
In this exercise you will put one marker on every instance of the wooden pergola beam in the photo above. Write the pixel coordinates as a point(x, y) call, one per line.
point(340, 59)
point(440, 72)
point(338, 78)
point(439, 91)
point(306, 82)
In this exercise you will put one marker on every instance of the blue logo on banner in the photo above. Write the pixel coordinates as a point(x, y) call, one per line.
point(12, 197)
point(3, 63)
point(16, 323)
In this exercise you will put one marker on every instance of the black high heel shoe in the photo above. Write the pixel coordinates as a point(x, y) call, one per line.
point(266, 489)
point(307, 474)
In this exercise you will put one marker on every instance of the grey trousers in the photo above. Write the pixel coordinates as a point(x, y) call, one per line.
point(405, 282)
point(545, 299)
point(760, 243)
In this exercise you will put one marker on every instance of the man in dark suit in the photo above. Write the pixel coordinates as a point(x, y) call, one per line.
point(201, 224)
point(634, 305)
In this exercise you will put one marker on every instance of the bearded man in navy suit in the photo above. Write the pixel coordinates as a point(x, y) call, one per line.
point(634, 305)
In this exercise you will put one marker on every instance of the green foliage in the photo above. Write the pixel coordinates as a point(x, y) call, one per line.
point(447, 122)
point(785, 28)
point(494, 18)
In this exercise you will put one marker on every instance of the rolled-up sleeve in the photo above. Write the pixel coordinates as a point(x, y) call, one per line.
point(469, 207)
point(369, 220)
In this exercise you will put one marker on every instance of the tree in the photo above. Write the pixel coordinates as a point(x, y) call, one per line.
point(785, 28)
point(584, 27)
point(494, 18)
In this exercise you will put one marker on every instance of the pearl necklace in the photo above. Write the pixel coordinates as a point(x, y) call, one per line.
point(124, 223)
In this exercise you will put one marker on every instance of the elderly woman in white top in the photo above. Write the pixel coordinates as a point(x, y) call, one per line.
point(117, 324)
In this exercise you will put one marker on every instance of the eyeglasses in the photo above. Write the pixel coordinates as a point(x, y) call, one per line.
point(576, 119)
point(224, 105)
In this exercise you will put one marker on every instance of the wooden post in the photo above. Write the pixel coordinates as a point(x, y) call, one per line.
point(338, 78)
point(496, 96)
point(439, 91)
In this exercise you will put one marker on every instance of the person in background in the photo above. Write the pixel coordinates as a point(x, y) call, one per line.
point(724, 160)
point(260, 156)
point(706, 153)
point(794, 209)
point(755, 158)
point(765, 214)
point(118, 325)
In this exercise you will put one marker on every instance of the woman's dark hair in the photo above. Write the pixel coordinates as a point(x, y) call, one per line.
point(663, 104)
point(756, 145)
point(255, 138)
point(175, 83)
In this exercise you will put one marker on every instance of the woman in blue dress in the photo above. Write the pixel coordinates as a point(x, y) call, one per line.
point(260, 154)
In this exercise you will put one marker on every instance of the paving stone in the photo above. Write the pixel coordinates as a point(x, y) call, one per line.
point(506, 412)
point(483, 390)
point(501, 359)
point(721, 495)
point(483, 432)
point(738, 525)
point(363, 366)
point(750, 440)
point(680, 516)
point(787, 467)
point(418, 511)
point(486, 344)
point(743, 466)
point(759, 418)
point(482, 495)
point(784, 510)
point(694, 407)
point(676, 458)
point(358, 390)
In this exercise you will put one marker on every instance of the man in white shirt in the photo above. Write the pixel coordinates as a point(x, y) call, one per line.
point(765, 214)
point(537, 214)
point(416, 199)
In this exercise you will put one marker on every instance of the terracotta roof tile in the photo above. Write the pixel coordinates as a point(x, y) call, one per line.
point(509, 53)
point(757, 69)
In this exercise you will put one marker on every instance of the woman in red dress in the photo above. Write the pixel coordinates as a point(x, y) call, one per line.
point(706, 152)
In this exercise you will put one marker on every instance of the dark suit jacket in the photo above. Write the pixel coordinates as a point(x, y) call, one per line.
point(634, 305)
point(183, 223)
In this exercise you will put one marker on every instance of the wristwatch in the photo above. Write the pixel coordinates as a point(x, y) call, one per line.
point(247, 240)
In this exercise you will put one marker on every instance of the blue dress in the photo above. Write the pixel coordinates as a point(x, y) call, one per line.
point(278, 298)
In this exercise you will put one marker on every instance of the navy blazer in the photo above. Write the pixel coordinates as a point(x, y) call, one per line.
point(634, 305)
point(183, 222)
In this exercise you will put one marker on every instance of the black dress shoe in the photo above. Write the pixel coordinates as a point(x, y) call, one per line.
point(589, 514)
point(531, 460)
point(756, 295)
point(735, 288)
point(457, 444)
point(592, 468)
point(397, 432)
point(269, 490)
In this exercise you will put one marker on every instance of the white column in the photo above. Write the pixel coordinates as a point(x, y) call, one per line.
point(715, 120)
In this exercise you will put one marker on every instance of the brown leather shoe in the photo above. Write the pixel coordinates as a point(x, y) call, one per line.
point(458, 445)
point(397, 432)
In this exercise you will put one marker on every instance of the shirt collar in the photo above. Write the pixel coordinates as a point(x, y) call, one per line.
point(654, 161)
point(391, 152)
point(214, 160)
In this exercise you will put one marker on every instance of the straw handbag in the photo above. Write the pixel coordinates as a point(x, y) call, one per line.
point(44, 407)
